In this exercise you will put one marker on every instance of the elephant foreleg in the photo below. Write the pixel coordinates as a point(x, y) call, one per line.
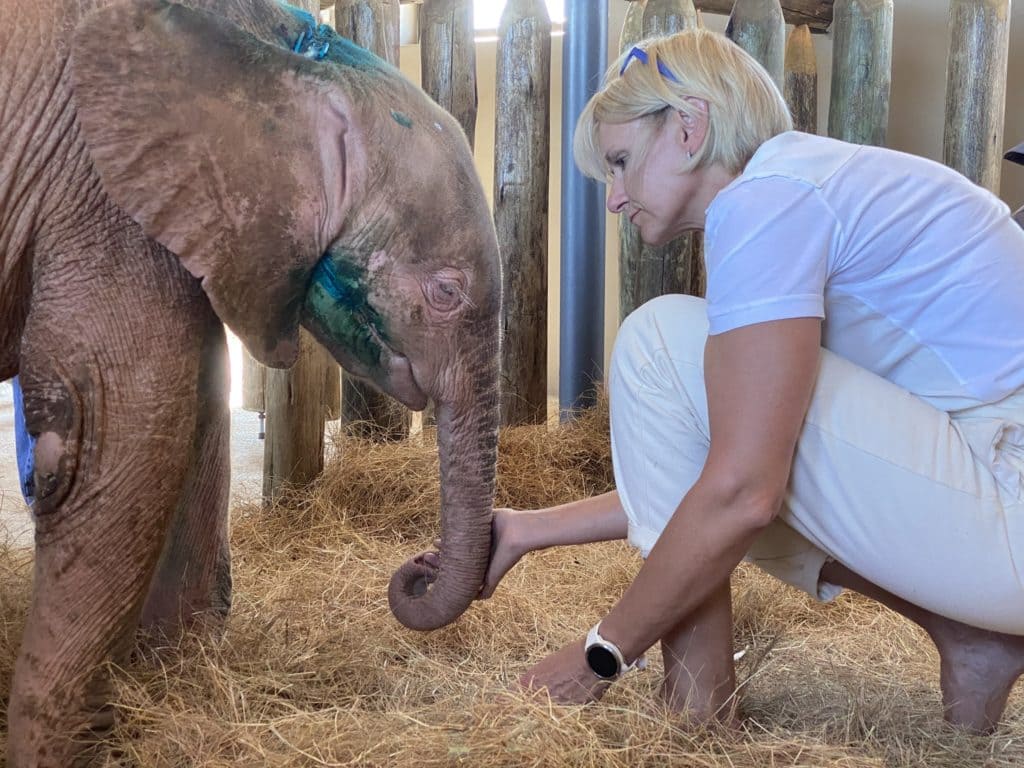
point(193, 579)
point(110, 361)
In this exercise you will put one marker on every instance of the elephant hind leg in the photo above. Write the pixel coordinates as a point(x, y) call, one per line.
point(192, 583)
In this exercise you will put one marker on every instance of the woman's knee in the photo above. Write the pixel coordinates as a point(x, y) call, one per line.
point(675, 324)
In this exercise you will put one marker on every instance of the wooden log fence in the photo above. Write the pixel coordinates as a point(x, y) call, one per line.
point(801, 80)
point(758, 27)
point(521, 151)
point(365, 411)
point(976, 89)
point(859, 101)
point(296, 402)
point(448, 59)
point(861, 71)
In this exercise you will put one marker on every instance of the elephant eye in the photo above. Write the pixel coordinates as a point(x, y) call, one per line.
point(445, 290)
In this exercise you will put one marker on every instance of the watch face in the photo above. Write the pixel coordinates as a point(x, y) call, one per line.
point(602, 662)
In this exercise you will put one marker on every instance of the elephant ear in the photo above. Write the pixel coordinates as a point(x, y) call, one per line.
point(228, 151)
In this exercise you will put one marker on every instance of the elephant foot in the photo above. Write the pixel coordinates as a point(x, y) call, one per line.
point(170, 612)
point(51, 727)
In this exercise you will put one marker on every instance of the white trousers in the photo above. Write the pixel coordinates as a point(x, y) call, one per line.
point(926, 504)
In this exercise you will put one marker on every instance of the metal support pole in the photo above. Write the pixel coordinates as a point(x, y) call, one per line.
point(581, 325)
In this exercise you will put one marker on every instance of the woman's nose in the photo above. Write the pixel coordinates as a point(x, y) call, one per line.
point(617, 198)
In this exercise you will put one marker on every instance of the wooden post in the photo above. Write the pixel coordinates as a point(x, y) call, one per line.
point(294, 401)
point(448, 59)
point(861, 71)
point(801, 89)
point(817, 14)
point(293, 454)
point(521, 149)
point(633, 25)
point(645, 271)
point(254, 381)
point(373, 24)
point(663, 17)
point(757, 26)
point(976, 89)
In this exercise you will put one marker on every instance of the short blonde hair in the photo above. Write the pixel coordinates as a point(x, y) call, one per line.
point(744, 104)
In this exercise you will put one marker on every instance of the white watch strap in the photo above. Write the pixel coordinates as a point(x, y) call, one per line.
point(594, 637)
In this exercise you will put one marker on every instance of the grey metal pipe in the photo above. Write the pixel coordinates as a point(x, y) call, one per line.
point(581, 324)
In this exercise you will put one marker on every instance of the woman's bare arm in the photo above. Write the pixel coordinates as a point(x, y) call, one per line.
point(516, 532)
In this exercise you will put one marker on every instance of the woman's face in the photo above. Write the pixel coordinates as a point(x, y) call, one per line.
point(646, 159)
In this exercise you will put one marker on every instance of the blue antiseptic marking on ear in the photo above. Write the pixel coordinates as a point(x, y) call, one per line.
point(401, 118)
point(321, 43)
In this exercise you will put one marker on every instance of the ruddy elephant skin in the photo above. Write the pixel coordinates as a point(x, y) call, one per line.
point(169, 169)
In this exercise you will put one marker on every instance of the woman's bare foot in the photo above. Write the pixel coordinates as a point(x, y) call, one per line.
point(700, 678)
point(704, 701)
point(978, 667)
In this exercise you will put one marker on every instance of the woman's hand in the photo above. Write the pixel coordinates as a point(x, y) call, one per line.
point(509, 542)
point(567, 677)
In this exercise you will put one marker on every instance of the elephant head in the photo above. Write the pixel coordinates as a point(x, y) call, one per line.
point(331, 193)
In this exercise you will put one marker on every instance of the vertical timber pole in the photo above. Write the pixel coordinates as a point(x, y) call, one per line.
point(373, 24)
point(801, 89)
point(976, 89)
point(522, 135)
point(581, 327)
point(448, 59)
point(758, 27)
point(295, 401)
point(861, 71)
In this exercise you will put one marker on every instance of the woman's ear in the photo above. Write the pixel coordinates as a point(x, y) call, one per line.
point(694, 124)
point(220, 146)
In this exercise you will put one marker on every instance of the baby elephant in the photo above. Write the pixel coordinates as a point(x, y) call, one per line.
point(169, 167)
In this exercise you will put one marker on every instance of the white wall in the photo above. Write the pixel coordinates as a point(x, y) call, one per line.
point(921, 39)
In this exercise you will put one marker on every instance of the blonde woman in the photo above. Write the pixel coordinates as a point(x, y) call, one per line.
point(846, 409)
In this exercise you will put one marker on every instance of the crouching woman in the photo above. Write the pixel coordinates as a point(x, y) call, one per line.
point(846, 409)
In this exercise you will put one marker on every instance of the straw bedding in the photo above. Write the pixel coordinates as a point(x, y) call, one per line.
point(312, 670)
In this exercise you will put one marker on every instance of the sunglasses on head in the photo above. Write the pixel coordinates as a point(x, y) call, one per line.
point(640, 55)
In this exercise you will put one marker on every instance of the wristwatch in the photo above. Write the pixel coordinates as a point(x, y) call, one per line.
point(604, 657)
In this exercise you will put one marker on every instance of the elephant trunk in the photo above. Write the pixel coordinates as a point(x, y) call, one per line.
point(424, 596)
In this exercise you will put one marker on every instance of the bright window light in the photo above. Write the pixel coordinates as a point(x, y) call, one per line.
point(487, 13)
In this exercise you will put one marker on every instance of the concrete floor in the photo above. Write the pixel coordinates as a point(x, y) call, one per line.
point(15, 522)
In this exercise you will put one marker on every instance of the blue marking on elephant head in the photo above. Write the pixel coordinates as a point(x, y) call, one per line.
point(338, 302)
point(321, 43)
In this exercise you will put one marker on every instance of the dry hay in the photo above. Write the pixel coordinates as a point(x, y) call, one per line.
point(313, 670)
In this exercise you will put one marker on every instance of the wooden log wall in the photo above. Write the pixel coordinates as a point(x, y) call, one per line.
point(801, 80)
point(522, 144)
point(861, 71)
point(976, 89)
point(758, 27)
point(296, 400)
point(646, 271)
point(816, 14)
point(373, 24)
point(448, 59)
point(293, 452)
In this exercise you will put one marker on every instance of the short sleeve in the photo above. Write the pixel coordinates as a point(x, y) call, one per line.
point(767, 249)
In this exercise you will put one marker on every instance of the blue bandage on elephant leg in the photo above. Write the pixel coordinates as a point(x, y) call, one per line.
point(24, 445)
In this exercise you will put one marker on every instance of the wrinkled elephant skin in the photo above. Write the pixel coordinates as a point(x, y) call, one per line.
point(169, 169)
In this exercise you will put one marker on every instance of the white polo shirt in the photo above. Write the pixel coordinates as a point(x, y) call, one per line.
point(917, 272)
